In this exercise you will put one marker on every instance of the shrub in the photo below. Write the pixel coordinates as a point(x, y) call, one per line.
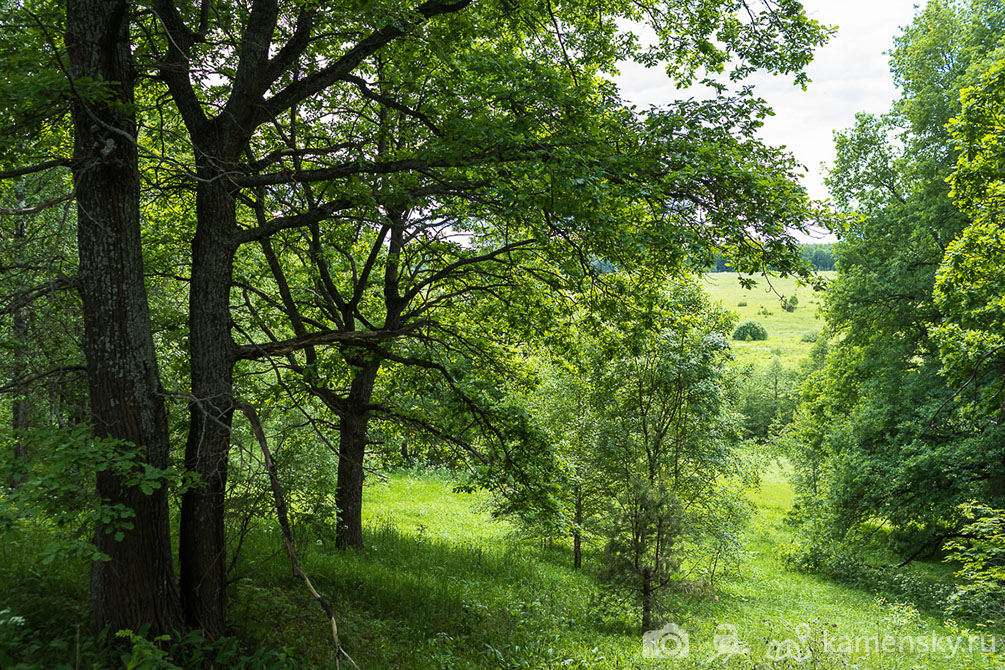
point(789, 304)
point(742, 303)
point(750, 330)
point(811, 336)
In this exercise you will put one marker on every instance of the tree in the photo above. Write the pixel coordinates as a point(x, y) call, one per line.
point(123, 380)
point(968, 288)
point(767, 398)
point(667, 441)
point(336, 135)
point(879, 436)
point(820, 255)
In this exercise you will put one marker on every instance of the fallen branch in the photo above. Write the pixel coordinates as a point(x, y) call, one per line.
point(284, 524)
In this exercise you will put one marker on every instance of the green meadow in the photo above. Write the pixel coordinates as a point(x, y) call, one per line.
point(789, 333)
point(443, 584)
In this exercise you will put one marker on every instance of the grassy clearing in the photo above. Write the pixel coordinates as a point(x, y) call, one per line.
point(785, 329)
point(444, 585)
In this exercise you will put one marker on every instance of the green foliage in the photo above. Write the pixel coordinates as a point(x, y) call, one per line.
point(880, 435)
point(767, 398)
point(970, 289)
point(54, 486)
point(980, 553)
point(750, 330)
point(821, 256)
point(442, 582)
point(662, 406)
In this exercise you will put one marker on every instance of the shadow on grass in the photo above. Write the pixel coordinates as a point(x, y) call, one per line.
point(413, 601)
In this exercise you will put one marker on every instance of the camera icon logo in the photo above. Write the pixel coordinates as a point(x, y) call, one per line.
point(671, 641)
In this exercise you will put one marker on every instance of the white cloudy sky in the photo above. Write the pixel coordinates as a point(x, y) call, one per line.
point(850, 74)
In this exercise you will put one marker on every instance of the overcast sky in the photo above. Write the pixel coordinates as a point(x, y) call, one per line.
point(850, 74)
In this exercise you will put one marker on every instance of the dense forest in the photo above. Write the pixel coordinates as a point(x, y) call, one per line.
point(390, 335)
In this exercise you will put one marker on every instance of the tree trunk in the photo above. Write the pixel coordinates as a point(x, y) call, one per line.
point(135, 586)
point(577, 536)
point(202, 549)
point(351, 450)
point(20, 406)
point(647, 600)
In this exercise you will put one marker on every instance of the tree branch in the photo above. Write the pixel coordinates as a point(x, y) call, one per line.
point(337, 71)
point(281, 348)
point(284, 523)
point(22, 211)
point(31, 169)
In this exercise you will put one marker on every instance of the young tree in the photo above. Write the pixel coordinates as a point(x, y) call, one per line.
point(667, 448)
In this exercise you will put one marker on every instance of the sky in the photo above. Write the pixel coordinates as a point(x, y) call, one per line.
point(849, 74)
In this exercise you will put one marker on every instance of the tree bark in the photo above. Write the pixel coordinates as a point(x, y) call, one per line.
point(202, 549)
point(352, 449)
point(135, 586)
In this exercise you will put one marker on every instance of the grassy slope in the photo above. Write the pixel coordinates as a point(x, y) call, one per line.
point(443, 585)
point(785, 329)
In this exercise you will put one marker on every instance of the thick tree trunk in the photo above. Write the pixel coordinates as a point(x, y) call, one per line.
point(351, 450)
point(202, 547)
point(135, 586)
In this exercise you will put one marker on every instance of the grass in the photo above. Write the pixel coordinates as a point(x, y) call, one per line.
point(785, 329)
point(442, 584)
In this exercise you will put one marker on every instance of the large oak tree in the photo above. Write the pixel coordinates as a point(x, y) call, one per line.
point(381, 164)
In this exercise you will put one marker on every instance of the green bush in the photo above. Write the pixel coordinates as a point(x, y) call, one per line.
point(750, 330)
point(810, 336)
point(742, 303)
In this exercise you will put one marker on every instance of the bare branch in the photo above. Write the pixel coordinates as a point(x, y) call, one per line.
point(22, 211)
point(284, 522)
point(31, 169)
